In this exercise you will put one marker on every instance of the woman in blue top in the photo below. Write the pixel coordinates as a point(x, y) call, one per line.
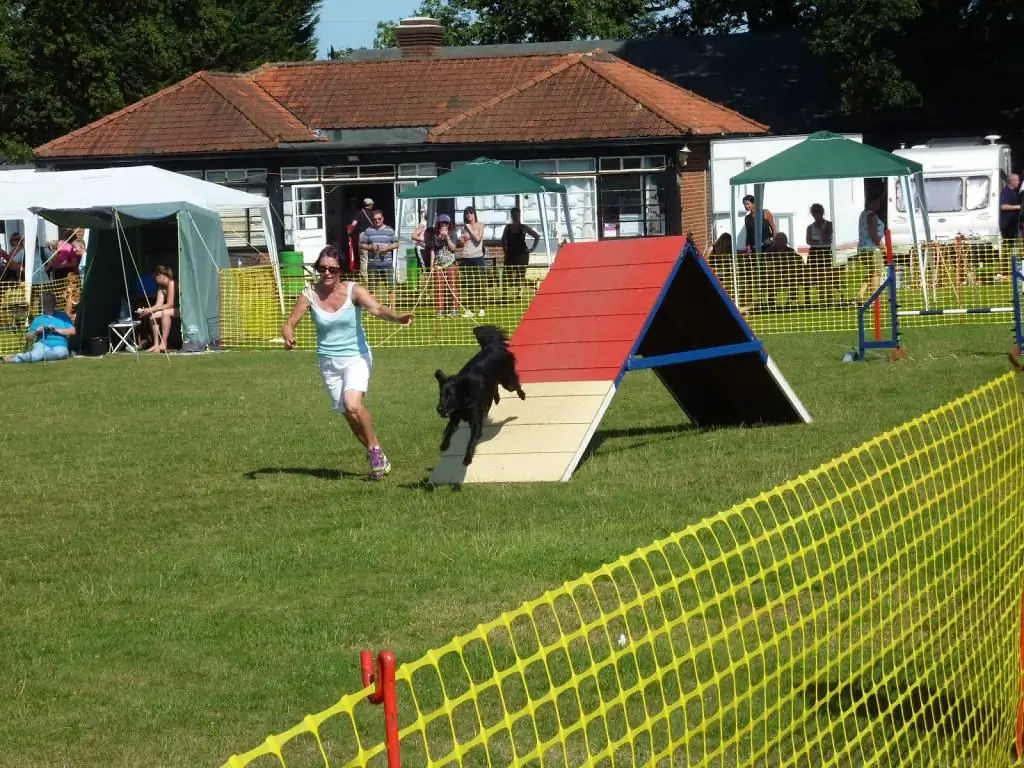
point(342, 352)
point(48, 334)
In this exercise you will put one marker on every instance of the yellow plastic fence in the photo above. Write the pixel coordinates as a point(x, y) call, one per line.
point(778, 291)
point(782, 291)
point(865, 613)
point(446, 305)
point(16, 313)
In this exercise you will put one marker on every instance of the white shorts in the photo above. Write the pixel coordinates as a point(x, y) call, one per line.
point(344, 374)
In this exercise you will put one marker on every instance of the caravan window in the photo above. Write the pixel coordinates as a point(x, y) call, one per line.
point(944, 195)
point(978, 190)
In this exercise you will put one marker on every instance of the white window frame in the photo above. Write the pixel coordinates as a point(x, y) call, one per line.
point(355, 172)
point(300, 174)
point(617, 164)
point(554, 210)
point(417, 170)
point(254, 182)
point(646, 220)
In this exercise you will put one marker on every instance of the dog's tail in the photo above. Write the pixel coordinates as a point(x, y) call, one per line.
point(490, 335)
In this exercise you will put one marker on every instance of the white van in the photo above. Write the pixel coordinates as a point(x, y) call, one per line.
point(962, 182)
point(789, 201)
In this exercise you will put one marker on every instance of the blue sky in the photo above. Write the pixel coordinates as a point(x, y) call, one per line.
point(349, 23)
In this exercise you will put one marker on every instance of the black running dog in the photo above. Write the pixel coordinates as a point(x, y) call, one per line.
point(467, 396)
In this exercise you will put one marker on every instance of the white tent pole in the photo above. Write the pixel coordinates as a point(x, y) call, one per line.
point(544, 226)
point(732, 228)
point(30, 240)
point(119, 232)
point(275, 259)
point(398, 238)
point(758, 217)
point(911, 195)
point(565, 208)
point(921, 205)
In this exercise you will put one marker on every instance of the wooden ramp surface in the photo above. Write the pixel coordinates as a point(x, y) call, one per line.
point(540, 439)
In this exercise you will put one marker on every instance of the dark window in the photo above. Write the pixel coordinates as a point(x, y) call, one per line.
point(631, 205)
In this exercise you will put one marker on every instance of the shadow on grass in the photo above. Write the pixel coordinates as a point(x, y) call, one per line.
point(920, 706)
point(661, 434)
point(320, 473)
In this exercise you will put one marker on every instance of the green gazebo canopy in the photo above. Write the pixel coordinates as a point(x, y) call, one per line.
point(825, 155)
point(482, 176)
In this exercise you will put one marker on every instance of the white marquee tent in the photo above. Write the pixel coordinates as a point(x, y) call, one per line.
point(21, 190)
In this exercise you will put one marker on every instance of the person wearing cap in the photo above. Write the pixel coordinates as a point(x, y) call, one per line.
point(362, 220)
point(441, 253)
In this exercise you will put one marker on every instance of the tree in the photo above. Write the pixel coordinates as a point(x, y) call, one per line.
point(857, 42)
point(475, 22)
point(65, 63)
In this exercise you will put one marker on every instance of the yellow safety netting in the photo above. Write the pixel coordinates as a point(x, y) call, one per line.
point(865, 613)
point(16, 312)
point(446, 305)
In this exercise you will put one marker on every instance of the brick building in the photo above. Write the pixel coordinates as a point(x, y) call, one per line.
point(318, 137)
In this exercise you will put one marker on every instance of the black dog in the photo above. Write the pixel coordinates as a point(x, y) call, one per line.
point(467, 396)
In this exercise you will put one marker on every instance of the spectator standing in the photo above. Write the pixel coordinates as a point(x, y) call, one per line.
point(442, 251)
point(871, 244)
point(472, 264)
point(1009, 208)
point(379, 242)
point(820, 264)
point(359, 222)
point(517, 253)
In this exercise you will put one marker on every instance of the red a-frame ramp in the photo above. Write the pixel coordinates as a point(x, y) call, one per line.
point(606, 308)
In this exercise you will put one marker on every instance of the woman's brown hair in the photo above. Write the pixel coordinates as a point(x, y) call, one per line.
point(165, 271)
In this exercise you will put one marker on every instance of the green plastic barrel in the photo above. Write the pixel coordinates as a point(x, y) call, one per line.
point(412, 269)
point(292, 274)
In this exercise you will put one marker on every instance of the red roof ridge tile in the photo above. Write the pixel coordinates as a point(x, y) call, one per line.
point(568, 60)
point(272, 65)
point(126, 110)
point(254, 120)
point(602, 56)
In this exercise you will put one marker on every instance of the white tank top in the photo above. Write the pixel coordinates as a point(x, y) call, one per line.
point(338, 333)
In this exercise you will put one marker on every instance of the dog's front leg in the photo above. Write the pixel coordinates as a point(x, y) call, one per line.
point(449, 431)
point(476, 429)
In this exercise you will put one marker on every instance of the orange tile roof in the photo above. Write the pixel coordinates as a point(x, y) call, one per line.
point(591, 96)
point(462, 100)
point(399, 93)
point(206, 112)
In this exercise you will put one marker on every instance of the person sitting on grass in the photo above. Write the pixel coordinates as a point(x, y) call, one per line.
point(48, 334)
point(163, 310)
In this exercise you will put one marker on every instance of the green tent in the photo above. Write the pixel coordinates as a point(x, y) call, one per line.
point(116, 260)
point(484, 176)
point(826, 155)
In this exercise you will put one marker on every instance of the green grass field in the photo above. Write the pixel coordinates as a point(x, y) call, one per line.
point(191, 559)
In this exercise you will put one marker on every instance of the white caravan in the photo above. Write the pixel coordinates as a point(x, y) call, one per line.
point(962, 181)
point(789, 201)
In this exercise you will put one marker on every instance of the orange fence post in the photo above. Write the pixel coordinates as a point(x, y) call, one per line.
point(385, 694)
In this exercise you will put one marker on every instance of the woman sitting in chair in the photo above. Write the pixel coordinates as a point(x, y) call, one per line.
point(164, 310)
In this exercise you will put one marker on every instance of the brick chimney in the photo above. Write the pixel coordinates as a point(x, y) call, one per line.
point(419, 36)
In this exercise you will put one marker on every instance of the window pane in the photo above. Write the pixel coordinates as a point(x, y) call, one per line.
point(538, 167)
point(576, 165)
point(978, 190)
point(944, 195)
point(611, 163)
point(217, 177)
point(632, 163)
point(900, 205)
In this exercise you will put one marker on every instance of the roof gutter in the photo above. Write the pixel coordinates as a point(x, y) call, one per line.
point(324, 147)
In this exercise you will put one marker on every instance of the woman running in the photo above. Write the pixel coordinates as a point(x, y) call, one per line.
point(342, 352)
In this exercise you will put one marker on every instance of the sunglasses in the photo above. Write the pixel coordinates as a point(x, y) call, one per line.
point(329, 270)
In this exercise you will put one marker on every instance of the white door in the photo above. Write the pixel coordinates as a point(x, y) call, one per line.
point(309, 235)
point(725, 168)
